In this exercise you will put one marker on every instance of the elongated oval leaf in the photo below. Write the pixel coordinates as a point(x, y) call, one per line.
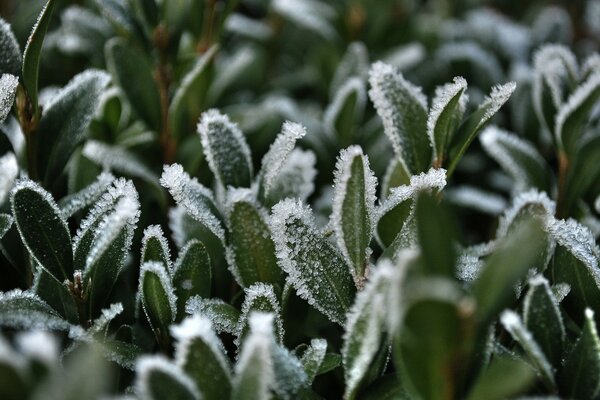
point(314, 267)
point(8, 90)
point(192, 274)
point(43, 231)
point(55, 294)
point(25, 310)
point(353, 213)
point(10, 63)
point(33, 50)
point(156, 293)
point(345, 111)
point(158, 378)
point(66, 119)
point(403, 110)
point(224, 317)
point(295, 178)
point(396, 175)
point(251, 251)
point(155, 247)
point(75, 202)
point(313, 358)
point(504, 378)
point(132, 71)
point(199, 352)
point(259, 297)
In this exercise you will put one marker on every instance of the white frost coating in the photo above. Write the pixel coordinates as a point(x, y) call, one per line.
point(396, 296)
point(477, 199)
point(355, 63)
point(252, 294)
point(496, 99)
point(100, 324)
point(210, 309)
point(39, 345)
point(242, 25)
point(192, 196)
point(468, 267)
point(531, 197)
point(443, 95)
point(297, 175)
point(513, 324)
point(538, 281)
point(311, 14)
point(78, 201)
point(591, 64)
point(156, 232)
point(159, 270)
point(231, 68)
point(125, 216)
point(352, 85)
point(579, 241)
point(406, 56)
point(560, 291)
point(500, 144)
point(194, 328)
point(9, 45)
point(279, 152)
point(365, 323)
point(383, 79)
point(485, 61)
point(146, 365)
point(9, 170)
point(343, 173)
point(575, 101)
point(8, 90)
point(118, 159)
point(26, 310)
point(549, 53)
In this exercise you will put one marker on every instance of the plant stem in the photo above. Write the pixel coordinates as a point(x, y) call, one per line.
point(563, 169)
point(161, 42)
point(29, 121)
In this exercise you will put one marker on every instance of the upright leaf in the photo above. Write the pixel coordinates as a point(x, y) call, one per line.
point(295, 178)
point(33, 50)
point(313, 358)
point(259, 297)
point(345, 111)
point(56, 294)
point(155, 247)
point(353, 216)
point(10, 63)
point(156, 293)
point(75, 202)
point(314, 267)
point(158, 378)
point(43, 231)
point(25, 310)
point(192, 274)
point(224, 317)
point(504, 378)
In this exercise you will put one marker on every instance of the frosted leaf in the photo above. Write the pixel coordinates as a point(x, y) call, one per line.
point(591, 65)
point(517, 156)
point(9, 170)
point(8, 90)
point(313, 357)
point(310, 14)
point(254, 374)
point(156, 377)
point(38, 345)
point(259, 297)
point(396, 297)
point(353, 211)
point(226, 150)
point(355, 63)
point(11, 59)
point(290, 377)
point(546, 55)
point(295, 178)
point(441, 129)
point(485, 64)
point(591, 16)
point(25, 310)
point(223, 316)
point(229, 70)
point(468, 267)
point(314, 267)
point(157, 269)
point(80, 31)
point(75, 202)
point(513, 324)
point(244, 26)
point(476, 199)
point(12, 130)
point(552, 25)
point(406, 56)
point(402, 107)
point(195, 199)
point(496, 99)
point(119, 160)
point(560, 291)
point(353, 86)
point(532, 202)
point(155, 247)
point(100, 324)
point(365, 326)
point(278, 154)
point(574, 105)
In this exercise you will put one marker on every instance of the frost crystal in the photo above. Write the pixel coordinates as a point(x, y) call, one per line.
point(155, 232)
point(100, 324)
point(146, 366)
point(311, 14)
point(523, 200)
point(477, 199)
point(158, 269)
point(492, 103)
point(296, 177)
point(278, 153)
point(194, 198)
point(78, 201)
point(9, 48)
point(8, 90)
point(9, 169)
point(353, 85)
point(213, 310)
point(468, 267)
point(39, 345)
point(591, 64)
point(25, 310)
point(540, 281)
point(259, 297)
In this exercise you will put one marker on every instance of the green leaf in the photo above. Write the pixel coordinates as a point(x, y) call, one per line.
point(25, 310)
point(10, 63)
point(513, 324)
point(158, 379)
point(192, 274)
point(199, 353)
point(65, 121)
point(155, 247)
point(504, 378)
point(56, 294)
point(353, 216)
point(387, 387)
point(8, 90)
point(6, 222)
point(75, 202)
point(33, 50)
point(224, 317)
point(493, 289)
point(330, 362)
point(476, 121)
point(290, 377)
point(226, 150)
point(518, 157)
point(156, 293)
point(132, 71)
point(313, 357)
point(395, 175)
point(43, 231)
point(573, 115)
point(193, 84)
point(580, 375)
point(251, 251)
point(259, 297)
point(314, 267)
point(122, 353)
point(403, 110)
point(584, 171)
point(543, 319)
point(121, 17)
point(445, 115)
point(344, 113)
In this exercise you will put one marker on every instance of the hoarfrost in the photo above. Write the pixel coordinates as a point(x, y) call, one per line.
point(257, 295)
point(155, 232)
point(530, 198)
point(353, 84)
point(78, 201)
point(211, 309)
point(39, 345)
point(147, 365)
point(25, 310)
point(477, 199)
point(158, 269)
point(8, 90)
point(9, 170)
